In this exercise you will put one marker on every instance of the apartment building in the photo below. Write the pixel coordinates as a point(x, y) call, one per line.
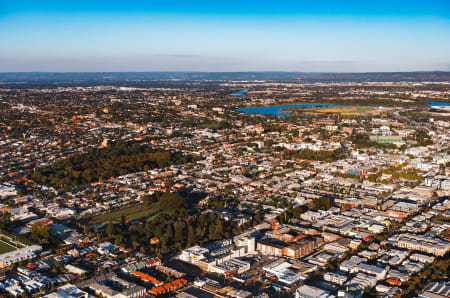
point(425, 243)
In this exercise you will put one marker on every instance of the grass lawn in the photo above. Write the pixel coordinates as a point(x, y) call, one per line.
point(131, 213)
point(342, 110)
point(6, 247)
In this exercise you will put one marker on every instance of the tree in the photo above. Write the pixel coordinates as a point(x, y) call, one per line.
point(218, 230)
point(169, 233)
point(257, 218)
point(164, 241)
point(99, 237)
point(190, 236)
point(40, 234)
point(322, 203)
point(171, 202)
point(100, 164)
point(110, 229)
point(179, 232)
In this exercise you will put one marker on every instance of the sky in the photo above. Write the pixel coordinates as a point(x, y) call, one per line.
point(297, 35)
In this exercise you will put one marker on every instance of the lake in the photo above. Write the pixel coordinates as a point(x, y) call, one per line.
point(438, 103)
point(239, 93)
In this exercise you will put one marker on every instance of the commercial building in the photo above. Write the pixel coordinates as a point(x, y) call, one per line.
point(298, 249)
point(111, 286)
point(230, 267)
point(284, 271)
point(68, 290)
point(306, 291)
point(351, 264)
point(18, 255)
point(220, 256)
point(335, 277)
point(379, 272)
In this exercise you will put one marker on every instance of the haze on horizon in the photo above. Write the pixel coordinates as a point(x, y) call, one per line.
point(306, 36)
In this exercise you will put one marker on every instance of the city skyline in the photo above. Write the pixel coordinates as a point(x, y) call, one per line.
point(200, 36)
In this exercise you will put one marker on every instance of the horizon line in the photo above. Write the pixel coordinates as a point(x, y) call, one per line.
point(246, 71)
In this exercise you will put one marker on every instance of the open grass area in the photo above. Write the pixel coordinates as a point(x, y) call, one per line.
point(4, 247)
point(342, 110)
point(131, 213)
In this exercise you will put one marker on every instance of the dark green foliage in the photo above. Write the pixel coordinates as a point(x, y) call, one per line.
point(314, 155)
point(170, 202)
point(296, 212)
point(110, 228)
point(41, 234)
point(190, 236)
point(179, 226)
point(437, 271)
point(175, 230)
point(322, 203)
point(422, 138)
point(101, 164)
point(362, 140)
point(215, 125)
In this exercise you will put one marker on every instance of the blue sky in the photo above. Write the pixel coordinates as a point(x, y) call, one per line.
point(338, 36)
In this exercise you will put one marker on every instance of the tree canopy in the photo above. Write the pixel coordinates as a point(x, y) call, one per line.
point(104, 163)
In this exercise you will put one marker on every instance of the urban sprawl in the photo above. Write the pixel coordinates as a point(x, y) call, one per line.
point(202, 188)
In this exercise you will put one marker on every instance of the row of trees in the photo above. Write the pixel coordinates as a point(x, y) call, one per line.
point(173, 226)
point(174, 232)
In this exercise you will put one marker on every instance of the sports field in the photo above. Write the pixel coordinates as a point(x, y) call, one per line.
point(342, 110)
point(130, 213)
point(4, 247)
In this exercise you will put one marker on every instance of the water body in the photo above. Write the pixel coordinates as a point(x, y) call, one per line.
point(276, 110)
point(438, 103)
point(239, 93)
